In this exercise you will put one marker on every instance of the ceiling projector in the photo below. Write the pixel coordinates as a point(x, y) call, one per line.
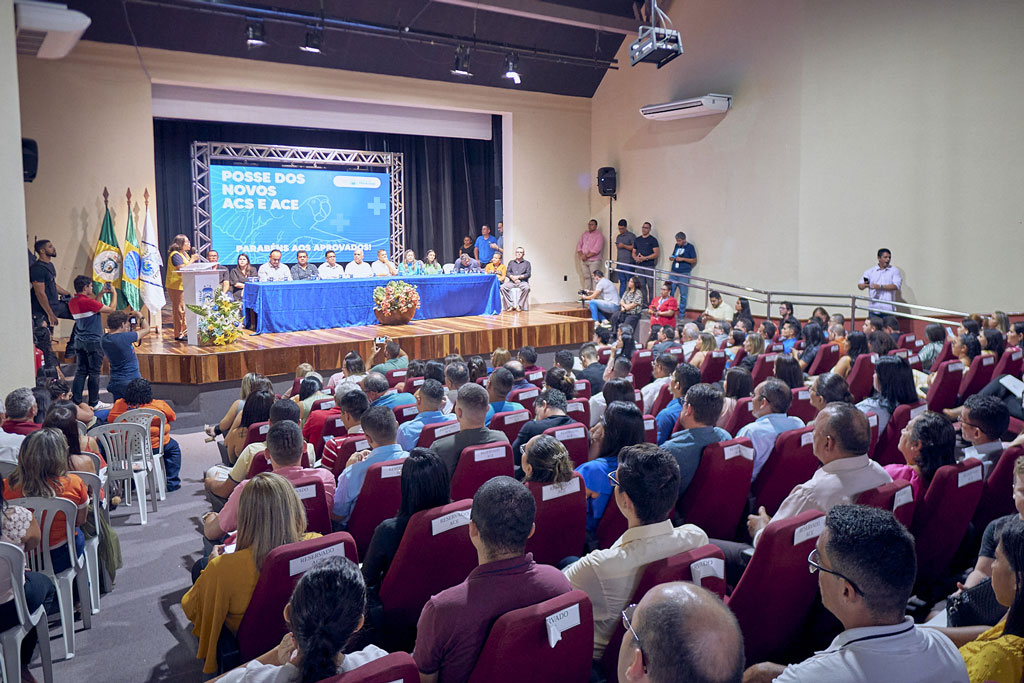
point(657, 45)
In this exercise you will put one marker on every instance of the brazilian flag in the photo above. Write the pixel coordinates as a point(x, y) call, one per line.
point(106, 260)
point(131, 284)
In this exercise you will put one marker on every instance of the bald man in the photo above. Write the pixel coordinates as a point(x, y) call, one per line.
point(681, 632)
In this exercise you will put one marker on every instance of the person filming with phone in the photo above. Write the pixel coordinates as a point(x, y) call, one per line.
point(396, 358)
point(124, 331)
point(883, 282)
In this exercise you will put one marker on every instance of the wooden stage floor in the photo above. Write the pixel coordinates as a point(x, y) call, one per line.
point(170, 362)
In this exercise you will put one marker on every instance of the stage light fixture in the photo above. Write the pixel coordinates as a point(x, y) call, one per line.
point(461, 67)
point(314, 42)
point(254, 34)
point(512, 68)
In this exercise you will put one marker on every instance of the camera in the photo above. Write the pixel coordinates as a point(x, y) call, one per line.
point(581, 292)
point(133, 322)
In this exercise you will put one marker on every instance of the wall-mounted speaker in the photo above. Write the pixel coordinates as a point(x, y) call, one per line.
point(606, 181)
point(29, 158)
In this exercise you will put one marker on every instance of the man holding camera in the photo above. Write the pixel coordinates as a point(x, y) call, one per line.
point(603, 300)
point(86, 309)
point(118, 345)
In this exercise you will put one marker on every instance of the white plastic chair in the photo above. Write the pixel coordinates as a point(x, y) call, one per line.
point(14, 558)
point(145, 417)
point(45, 511)
point(92, 545)
point(101, 469)
point(448, 268)
point(125, 444)
point(83, 428)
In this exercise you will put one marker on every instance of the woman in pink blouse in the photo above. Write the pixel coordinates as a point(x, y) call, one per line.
point(927, 443)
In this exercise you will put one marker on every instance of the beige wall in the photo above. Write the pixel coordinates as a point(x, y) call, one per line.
point(856, 125)
point(92, 115)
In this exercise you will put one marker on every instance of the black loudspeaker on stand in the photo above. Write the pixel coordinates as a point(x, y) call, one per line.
point(607, 186)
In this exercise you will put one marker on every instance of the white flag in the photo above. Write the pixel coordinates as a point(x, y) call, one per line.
point(152, 262)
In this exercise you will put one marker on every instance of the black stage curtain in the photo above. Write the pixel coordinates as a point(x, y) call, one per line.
point(452, 185)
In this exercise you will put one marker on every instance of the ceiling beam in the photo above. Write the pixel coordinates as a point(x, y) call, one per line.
point(551, 13)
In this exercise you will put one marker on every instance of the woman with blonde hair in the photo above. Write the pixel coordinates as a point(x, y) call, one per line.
point(754, 346)
point(499, 357)
point(705, 345)
point(301, 371)
point(270, 515)
point(409, 264)
point(248, 382)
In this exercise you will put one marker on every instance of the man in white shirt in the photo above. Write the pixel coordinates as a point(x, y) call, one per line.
point(646, 485)
point(357, 267)
point(604, 299)
point(689, 338)
point(331, 269)
point(771, 400)
point(866, 568)
point(716, 311)
point(383, 265)
point(618, 388)
point(664, 366)
point(273, 270)
point(883, 282)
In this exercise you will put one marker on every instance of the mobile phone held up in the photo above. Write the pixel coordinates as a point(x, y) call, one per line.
point(380, 341)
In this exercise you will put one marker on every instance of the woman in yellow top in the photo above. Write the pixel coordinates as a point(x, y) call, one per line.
point(270, 514)
point(177, 256)
point(496, 267)
point(998, 653)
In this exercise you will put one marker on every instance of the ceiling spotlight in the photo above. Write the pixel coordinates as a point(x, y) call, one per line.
point(461, 67)
point(314, 42)
point(512, 68)
point(254, 34)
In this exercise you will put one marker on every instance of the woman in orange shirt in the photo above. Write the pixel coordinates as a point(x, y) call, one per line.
point(139, 394)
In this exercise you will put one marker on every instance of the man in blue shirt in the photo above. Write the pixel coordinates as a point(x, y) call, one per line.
point(381, 428)
point(769, 405)
point(499, 241)
point(790, 335)
point(498, 386)
point(118, 346)
point(429, 398)
point(684, 257)
point(519, 380)
point(483, 248)
point(701, 411)
point(683, 377)
point(375, 386)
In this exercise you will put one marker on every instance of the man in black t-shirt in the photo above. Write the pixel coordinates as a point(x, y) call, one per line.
point(47, 306)
point(645, 253)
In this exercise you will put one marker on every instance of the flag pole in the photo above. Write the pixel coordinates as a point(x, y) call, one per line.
point(156, 324)
point(128, 198)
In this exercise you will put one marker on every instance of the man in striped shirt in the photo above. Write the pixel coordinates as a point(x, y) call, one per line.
point(86, 309)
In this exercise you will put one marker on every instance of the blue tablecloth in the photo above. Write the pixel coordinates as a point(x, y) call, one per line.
point(322, 304)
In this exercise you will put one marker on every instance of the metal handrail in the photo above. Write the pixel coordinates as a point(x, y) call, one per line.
point(856, 301)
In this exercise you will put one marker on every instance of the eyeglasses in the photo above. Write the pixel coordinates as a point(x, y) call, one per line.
point(627, 618)
point(814, 561)
point(613, 478)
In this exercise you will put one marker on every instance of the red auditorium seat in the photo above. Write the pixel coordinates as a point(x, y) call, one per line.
point(791, 463)
point(662, 399)
point(257, 433)
point(943, 391)
point(433, 432)
point(861, 377)
point(405, 413)
point(296, 385)
point(976, 377)
point(519, 648)
point(510, 422)
point(942, 516)
point(396, 376)
point(887, 450)
point(717, 496)
point(650, 429)
point(801, 405)
point(604, 355)
point(897, 497)
point(741, 416)
point(642, 367)
point(561, 520)
point(261, 463)
point(945, 354)
point(740, 355)
point(379, 499)
point(825, 359)
point(575, 439)
point(1010, 363)
point(333, 428)
point(311, 492)
point(638, 399)
point(482, 381)
point(902, 353)
point(397, 667)
point(525, 397)
point(996, 497)
point(915, 363)
point(582, 387)
point(322, 404)
point(611, 525)
point(908, 341)
point(764, 368)
point(338, 450)
point(873, 423)
point(578, 409)
point(413, 383)
point(713, 367)
point(775, 594)
point(478, 464)
point(535, 376)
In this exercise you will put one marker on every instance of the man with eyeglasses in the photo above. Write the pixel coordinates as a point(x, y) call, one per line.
point(983, 421)
point(645, 486)
point(680, 632)
point(772, 399)
point(866, 566)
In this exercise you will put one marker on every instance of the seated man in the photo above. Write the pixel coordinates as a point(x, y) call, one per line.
point(381, 428)
point(496, 267)
point(357, 267)
point(790, 335)
point(471, 411)
point(664, 365)
point(701, 411)
point(771, 400)
point(273, 270)
point(767, 330)
point(313, 430)
point(454, 624)
point(565, 360)
point(665, 339)
point(646, 486)
point(375, 386)
point(519, 380)
point(684, 377)
point(383, 265)
point(592, 370)
point(604, 299)
point(721, 330)
point(688, 338)
point(330, 269)
point(456, 374)
point(549, 409)
point(20, 408)
point(467, 264)
point(303, 269)
point(499, 386)
point(982, 423)
point(717, 311)
point(352, 406)
point(528, 357)
point(429, 398)
point(284, 445)
point(396, 358)
point(618, 388)
point(515, 291)
point(866, 568)
point(681, 632)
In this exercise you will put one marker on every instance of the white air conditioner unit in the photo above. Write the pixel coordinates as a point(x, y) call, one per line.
point(47, 30)
point(685, 109)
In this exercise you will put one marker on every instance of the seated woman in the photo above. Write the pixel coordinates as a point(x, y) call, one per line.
point(630, 306)
point(788, 370)
point(664, 309)
point(738, 384)
point(1000, 321)
point(856, 344)
point(139, 394)
point(561, 379)
point(496, 267)
point(738, 338)
point(425, 485)
point(353, 371)
point(621, 425)
point(430, 264)
point(743, 313)
point(416, 368)
point(998, 653)
point(235, 409)
point(814, 337)
point(983, 568)
point(61, 391)
point(499, 357)
point(927, 443)
point(309, 391)
point(409, 264)
point(828, 387)
point(1015, 337)
point(546, 461)
point(705, 345)
point(893, 386)
point(42, 472)
point(257, 409)
point(992, 342)
point(270, 514)
point(477, 368)
point(820, 315)
point(325, 610)
point(965, 348)
point(754, 346)
point(61, 416)
point(936, 338)
point(301, 371)
point(239, 275)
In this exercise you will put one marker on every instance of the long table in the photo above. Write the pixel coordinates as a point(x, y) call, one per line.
point(323, 304)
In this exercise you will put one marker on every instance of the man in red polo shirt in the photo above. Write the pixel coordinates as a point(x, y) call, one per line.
point(313, 430)
point(20, 406)
point(86, 308)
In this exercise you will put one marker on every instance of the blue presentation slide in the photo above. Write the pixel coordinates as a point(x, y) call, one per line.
point(256, 209)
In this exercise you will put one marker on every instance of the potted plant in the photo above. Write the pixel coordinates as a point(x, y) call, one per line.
point(395, 303)
point(220, 319)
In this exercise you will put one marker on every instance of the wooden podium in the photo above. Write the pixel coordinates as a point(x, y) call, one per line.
point(201, 280)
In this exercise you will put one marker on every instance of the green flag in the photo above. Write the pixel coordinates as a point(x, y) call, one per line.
point(106, 260)
point(131, 267)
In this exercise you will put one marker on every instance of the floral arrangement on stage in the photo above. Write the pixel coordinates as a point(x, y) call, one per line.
point(220, 319)
point(396, 302)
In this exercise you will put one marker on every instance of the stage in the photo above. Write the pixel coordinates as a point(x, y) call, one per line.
point(169, 362)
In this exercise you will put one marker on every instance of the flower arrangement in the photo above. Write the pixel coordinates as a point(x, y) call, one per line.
point(220, 319)
point(396, 297)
